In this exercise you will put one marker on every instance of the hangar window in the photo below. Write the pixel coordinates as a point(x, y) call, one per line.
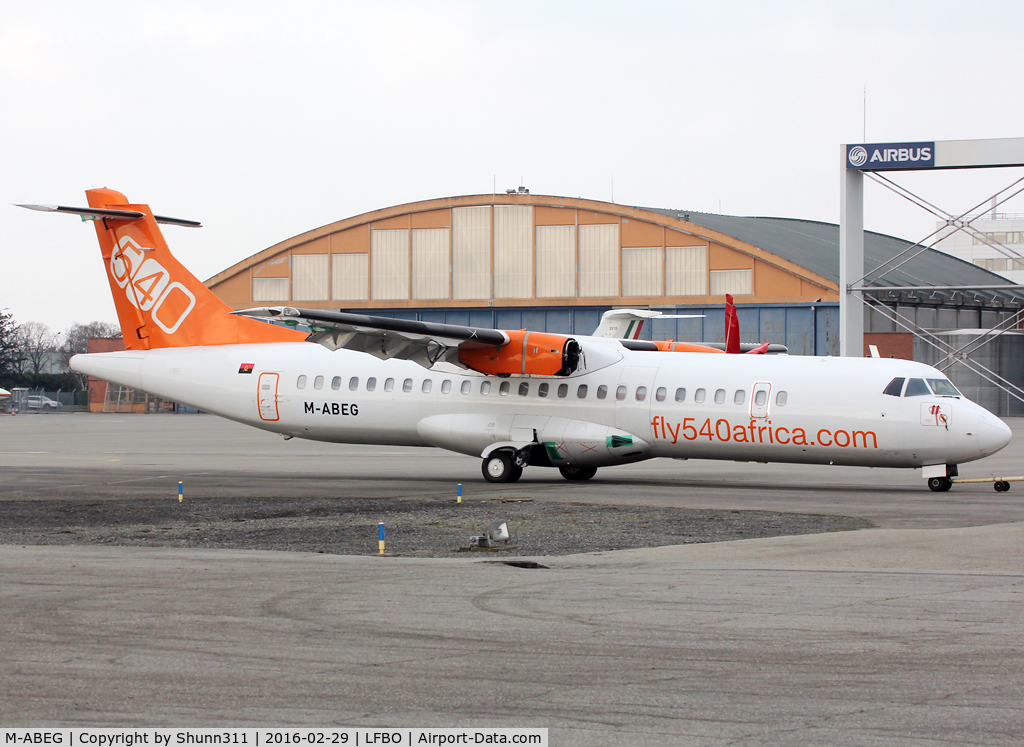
point(301, 383)
point(895, 387)
point(581, 393)
point(602, 391)
point(719, 396)
point(917, 388)
point(485, 387)
point(503, 388)
point(389, 384)
point(740, 397)
point(620, 393)
point(371, 384)
point(318, 382)
point(466, 386)
point(428, 384)
point(661, 394)
point(446, 386)
point(407, 385)
point(524, 389)
point(680, 395)
point(641, 393)
point(336, 382)
point(781, 398)
point(563, 389)
point(542, 390)
point(698, 396)
point(353, 383)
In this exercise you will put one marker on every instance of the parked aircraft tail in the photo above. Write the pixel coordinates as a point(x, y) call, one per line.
point(160, 304)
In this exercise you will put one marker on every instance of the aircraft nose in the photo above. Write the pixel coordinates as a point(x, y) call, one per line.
point(993, 434)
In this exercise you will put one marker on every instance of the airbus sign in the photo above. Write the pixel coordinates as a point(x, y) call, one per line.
point(890, 156)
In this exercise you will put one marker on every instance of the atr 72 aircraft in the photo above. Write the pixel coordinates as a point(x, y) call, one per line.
point(512, 398)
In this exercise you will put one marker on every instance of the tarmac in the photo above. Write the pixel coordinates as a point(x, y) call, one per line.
point(906, 634)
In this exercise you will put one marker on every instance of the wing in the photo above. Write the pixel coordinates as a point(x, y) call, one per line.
point(425, 343)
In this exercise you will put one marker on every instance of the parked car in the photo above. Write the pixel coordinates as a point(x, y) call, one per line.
point(39, 402)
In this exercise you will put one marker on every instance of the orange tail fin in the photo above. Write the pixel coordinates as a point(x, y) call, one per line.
point(159, 303)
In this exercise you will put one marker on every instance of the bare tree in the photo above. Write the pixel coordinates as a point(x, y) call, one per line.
point(76, 340)
point(38, 343)
point(10, 345)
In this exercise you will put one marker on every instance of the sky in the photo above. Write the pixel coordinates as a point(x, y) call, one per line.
point(267, 119)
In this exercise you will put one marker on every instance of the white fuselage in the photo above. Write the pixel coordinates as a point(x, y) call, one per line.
point(633, 407)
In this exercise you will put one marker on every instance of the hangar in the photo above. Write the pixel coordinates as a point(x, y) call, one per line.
point(548, 263)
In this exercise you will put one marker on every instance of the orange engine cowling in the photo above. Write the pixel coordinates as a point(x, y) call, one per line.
point(536, 353)
point(670, 346)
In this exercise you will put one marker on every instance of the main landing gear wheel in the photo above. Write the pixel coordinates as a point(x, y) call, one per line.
point(499, 467)
point(1002, 486)
point(939, 484)
point(577, 473)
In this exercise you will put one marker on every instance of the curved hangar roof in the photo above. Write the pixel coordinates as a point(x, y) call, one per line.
point(535, 250)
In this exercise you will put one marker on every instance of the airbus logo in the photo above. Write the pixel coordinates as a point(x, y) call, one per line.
point(891, 156)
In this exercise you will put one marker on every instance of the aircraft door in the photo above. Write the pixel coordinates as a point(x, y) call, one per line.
point(760, 399)
point(266, 396)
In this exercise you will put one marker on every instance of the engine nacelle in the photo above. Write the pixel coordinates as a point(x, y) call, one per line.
point(536, 353)
point(671, 346)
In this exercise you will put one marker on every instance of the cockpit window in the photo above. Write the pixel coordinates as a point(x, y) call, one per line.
point(895, 387)
point(943, 387)
point(917, 388)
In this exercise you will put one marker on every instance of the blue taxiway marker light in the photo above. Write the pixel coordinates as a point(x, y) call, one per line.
point(460, 494)
point(181, 491)
point(380, 536)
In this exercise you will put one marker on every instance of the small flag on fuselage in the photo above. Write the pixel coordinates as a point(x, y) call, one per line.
point(246, 368)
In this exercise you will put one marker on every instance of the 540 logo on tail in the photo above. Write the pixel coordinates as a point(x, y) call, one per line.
point(148, 286)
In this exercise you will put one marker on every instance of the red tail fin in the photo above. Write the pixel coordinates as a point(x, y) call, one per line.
point(159, 303)
point(732, 327)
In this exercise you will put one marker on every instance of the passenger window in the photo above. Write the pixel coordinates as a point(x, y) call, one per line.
point(740, 397)
point(407, 385)
point(428, 384)
point(542, 390)
point(602, 391)
point(353, 383)
point(917, 388)
point(503, 388)
point(661, 394)
point(446, 386)
point(336, 382)
point(301, 383)
point(318, 382)
point(563, 389)
point(698, 396)
point(581, 393)
point(485, 387)
point(680, 395)
point(620, 393)
point(524, 389)
point(466, 386)
point(371, 384)
point(389, 384)
point(719, 396)
point(943, 387)
point(641, 393)
point(780, 399)
point(895, 387)
point(760, 397)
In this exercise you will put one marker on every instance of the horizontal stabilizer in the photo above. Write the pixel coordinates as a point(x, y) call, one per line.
point(108, 214)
